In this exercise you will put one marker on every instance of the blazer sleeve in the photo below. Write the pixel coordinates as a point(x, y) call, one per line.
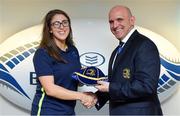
point(103, 97)
point(144, 81)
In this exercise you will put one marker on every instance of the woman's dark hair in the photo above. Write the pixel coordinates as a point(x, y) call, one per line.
point(47, 41)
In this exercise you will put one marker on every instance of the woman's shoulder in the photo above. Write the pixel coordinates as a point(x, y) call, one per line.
point(41, 52)
point(73, 47)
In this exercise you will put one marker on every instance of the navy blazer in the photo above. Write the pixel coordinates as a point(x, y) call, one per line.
point(133, 79)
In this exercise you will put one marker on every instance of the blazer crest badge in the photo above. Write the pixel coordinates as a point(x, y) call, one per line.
point(126, 73)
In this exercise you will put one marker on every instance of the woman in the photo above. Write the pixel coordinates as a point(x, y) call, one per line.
point(54, 62)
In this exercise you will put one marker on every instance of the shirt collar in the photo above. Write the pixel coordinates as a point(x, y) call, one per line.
point(128, 35)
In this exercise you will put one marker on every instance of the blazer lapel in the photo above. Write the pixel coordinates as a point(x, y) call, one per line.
point(124, 50)
point(111, 62)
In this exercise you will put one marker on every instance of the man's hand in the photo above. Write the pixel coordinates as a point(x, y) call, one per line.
point(89, 99)
point(102, 86)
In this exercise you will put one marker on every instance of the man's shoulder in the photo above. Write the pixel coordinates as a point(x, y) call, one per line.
point(138, 37)
point(141, 41)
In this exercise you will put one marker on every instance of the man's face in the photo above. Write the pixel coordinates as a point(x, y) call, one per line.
point(121, 22)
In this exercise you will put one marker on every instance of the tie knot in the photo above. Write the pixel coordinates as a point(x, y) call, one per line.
point(121, 44)
point(120, 47)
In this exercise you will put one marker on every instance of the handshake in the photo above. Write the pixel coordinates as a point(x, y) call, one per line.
point(88, 99)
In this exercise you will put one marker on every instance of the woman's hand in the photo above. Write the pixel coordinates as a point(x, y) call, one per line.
point(88, 99)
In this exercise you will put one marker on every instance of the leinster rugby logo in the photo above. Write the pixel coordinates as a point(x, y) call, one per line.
point(92, 59)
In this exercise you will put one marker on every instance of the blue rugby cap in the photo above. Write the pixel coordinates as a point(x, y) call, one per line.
point(89, 75)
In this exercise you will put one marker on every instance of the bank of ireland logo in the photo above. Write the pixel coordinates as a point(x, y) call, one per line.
point(92, 59)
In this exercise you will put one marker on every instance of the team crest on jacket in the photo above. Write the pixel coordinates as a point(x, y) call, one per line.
point(126, 73)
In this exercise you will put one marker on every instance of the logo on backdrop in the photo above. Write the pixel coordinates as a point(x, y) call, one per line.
point(92, 59)
point(18, 79)
point(9, 61)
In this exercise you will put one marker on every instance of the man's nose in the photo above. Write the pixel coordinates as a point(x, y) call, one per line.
point(115, 24)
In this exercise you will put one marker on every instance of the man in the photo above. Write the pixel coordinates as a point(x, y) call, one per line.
point(133, 71)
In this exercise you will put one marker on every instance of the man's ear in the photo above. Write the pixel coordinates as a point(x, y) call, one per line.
point(132, 20)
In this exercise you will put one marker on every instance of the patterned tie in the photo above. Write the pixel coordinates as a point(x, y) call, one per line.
point(120, 47)
point(118, 51)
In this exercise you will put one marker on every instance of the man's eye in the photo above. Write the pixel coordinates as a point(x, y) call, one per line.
point(110, 22)
point(119, 19)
